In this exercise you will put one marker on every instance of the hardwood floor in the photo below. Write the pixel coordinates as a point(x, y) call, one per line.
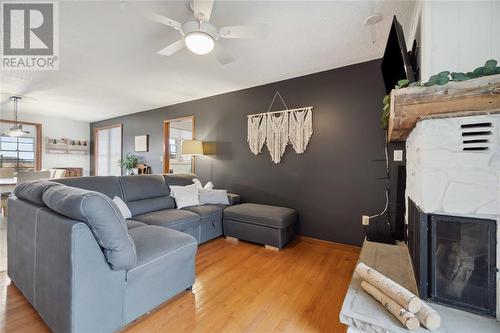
point(240, 287)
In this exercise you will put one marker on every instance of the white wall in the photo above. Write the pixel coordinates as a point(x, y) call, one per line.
point(458, 35)
point(61, 128)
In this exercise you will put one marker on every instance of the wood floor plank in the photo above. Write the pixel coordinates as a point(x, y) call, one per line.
point(240, 287)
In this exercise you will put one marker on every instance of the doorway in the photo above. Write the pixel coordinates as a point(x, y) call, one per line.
point(174, 132)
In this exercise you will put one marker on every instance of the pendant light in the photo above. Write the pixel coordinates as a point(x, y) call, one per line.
point(16, 130)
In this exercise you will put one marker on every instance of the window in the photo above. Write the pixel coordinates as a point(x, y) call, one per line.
point(172, 148)
point(20, 153)
point(108, 150)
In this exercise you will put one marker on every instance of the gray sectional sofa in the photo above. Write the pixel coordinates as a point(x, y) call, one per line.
point(84, 267)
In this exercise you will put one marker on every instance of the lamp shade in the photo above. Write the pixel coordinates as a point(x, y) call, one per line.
point(192, 147)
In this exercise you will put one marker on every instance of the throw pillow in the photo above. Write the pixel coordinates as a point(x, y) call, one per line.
point(208, 186)
point(185, 196)
point(197, 182)
point(122, 206)
point(213, 197)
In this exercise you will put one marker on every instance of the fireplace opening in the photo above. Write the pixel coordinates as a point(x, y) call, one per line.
point(454, 259)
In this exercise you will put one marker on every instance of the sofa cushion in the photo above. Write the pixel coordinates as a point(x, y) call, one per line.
point(108, 185)
point(165, 267)
point(102, 216)
point(271, 216)
point(146, 193)
point(153, 242)
point(207, 212)
point(33, 191)
point(177, 219)
point(180, 179)
point(131, 224)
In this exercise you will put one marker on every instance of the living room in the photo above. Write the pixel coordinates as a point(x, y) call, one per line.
point(230, 166)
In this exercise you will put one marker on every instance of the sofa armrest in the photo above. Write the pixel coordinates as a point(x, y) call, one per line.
point(76, 289)
point(234, 199)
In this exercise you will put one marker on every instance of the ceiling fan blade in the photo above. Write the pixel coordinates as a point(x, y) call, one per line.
point(152, 16)
point(223, 57)
point(172, 48)
point(244, 31)
point(202, 9)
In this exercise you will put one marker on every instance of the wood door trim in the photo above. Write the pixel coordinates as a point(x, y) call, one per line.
point(38, 153)
point(166, 146)
point(96, 143)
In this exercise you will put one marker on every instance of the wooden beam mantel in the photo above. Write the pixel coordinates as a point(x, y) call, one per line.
point(455, 99)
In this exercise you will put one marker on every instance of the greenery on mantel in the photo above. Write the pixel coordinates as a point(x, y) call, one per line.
point(129, 162)
point(489, 68)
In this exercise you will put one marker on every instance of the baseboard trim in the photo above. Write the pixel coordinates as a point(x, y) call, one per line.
point(334, 245)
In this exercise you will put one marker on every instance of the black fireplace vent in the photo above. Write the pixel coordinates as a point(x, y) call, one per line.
point(476, 133)
point(474, 125)
point(475, 136)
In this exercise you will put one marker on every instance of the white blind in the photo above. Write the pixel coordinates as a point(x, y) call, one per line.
point(109, 151)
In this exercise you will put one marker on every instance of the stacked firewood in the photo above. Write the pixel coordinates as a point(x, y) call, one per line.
point(410, 310)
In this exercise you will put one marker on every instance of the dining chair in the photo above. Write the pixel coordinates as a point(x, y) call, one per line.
point(57, 173)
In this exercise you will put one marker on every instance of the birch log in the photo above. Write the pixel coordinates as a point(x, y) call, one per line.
point(407, 318)
point(396, 292)
point(429, 317)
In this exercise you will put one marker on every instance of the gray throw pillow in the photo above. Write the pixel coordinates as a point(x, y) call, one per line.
point(213, 197)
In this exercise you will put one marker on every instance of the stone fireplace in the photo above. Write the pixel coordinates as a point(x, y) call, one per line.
point(453, 170)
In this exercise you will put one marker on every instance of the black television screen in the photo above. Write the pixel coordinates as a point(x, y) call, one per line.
point(396, 64)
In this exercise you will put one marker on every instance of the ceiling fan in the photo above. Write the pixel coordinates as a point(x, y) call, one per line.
point(199, 35)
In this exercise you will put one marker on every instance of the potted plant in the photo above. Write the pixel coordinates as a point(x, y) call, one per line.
point(129, 163)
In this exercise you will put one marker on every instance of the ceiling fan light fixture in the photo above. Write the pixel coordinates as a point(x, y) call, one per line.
point(199, 42)
point(15, 131)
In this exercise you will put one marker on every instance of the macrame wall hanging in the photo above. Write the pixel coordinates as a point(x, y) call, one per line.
point(278, 128)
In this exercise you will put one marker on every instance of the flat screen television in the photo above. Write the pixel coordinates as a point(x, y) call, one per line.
point(396, 64)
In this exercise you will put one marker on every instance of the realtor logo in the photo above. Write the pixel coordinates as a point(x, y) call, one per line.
point(30, 36)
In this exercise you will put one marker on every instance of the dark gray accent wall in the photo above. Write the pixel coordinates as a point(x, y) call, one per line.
point(331, 185)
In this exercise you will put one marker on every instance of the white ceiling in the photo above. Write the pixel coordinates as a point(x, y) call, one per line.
point(109, 66)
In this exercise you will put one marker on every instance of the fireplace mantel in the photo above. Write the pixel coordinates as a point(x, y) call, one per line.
point(467, 98)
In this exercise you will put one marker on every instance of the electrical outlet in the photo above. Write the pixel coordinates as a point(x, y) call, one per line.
point(365, 219)
point(398, 155)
